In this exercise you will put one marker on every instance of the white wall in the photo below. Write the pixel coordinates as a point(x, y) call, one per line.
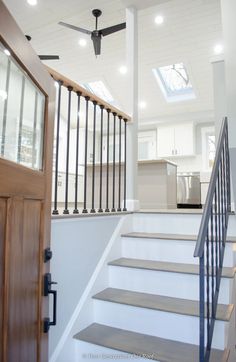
point(77, 245)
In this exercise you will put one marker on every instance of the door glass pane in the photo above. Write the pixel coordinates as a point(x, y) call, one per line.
point(22, 107)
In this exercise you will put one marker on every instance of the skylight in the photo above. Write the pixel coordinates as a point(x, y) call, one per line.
point(174, 82)
point(99, 89)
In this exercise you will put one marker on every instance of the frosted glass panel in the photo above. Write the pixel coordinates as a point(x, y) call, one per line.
point(21, 115)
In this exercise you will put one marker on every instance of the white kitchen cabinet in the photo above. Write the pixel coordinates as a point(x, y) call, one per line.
point(147, 145)
point(176, 141)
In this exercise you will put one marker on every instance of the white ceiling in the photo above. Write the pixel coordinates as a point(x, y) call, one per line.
point(189, 33)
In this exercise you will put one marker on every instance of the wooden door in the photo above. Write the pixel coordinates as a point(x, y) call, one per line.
point(26, 140)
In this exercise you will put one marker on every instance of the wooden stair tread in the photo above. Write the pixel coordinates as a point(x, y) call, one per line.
point(166, 266)
point(151, 347)
point(166, 236)
point(160, 303)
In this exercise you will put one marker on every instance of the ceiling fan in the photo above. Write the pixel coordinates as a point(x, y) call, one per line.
point(96, 35)
point(44, 57)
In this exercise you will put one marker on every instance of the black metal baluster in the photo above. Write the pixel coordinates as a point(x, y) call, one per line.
point(101, 160)
point(114, 163)
point(119, 184)
point(76, 211)
point(108, 146)
point(218, 215)
point(85, 211)
point(228, 171)
point(208, 290)
point(5, 107)
point(21, 119)
point(216, 239)
point(66, 210)
point(94, 155)
point(202, 307)
point(125, 161)
point(224, 188)
point(212, 267)
point(35, 129)
point(55, 210)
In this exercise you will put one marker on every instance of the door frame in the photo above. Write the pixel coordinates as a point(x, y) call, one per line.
point(14, 39)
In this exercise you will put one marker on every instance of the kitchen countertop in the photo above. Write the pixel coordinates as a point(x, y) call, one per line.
point(144, 162)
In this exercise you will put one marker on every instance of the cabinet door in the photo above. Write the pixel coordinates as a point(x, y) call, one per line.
point(147, 145)
point(184, 140)
point(165, 141)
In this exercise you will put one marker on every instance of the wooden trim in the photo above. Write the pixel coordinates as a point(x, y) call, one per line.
point(77, 88)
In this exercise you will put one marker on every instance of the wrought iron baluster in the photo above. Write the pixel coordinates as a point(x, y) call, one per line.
point(94, 155)
point(66, 210)
point(101, 160)
point(212, 265)
point(85, 211)
point(76, 211)
point(114, 163)
point(125, 161)
point(202, 308)
point(208, 290)
point(108, 152)
point(119, 182)
point(55, 210)
point(218, 215)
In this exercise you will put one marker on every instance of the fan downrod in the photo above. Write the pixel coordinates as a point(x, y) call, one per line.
point(96, 13)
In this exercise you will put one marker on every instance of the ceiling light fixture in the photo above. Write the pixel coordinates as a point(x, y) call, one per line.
point(159, 19)
point(82, 42)
point(143, 105)
point(218, 49)
point(123, 69)
point(32, 2)
point(6, 51)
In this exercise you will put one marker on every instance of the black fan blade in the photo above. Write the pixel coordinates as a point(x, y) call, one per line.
point(97, 44)
point(112, 29)
point(49, 57)
point(75, 28)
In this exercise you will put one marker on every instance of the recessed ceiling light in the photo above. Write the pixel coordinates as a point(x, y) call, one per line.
point(218, 49)
point(32, 2)
point(159, 19)
point(82, 42)
point(6, 51)
point(123, 69)
point(143, 105)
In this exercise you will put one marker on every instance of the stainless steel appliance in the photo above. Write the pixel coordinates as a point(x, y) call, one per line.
point(188, 190)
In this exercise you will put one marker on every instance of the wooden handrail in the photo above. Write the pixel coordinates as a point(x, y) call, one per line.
point(85, 93)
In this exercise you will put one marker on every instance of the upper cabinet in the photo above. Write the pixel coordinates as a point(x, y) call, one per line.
point(176, 141)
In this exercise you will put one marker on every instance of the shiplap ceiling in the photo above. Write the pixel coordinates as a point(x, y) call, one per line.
point(189, 33)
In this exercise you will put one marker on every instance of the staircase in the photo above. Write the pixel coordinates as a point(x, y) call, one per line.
point(150, 308)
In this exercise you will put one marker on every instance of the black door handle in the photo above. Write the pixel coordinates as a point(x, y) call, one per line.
point(48, 290)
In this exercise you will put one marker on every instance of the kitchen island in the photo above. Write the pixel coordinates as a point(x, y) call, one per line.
point(157, 184)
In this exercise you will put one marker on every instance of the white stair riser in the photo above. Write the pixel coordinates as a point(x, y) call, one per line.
point(91, 352)
point(175, 285)
point(174, 223)
point(167, 223)
point(177, 251)
point(172, 326)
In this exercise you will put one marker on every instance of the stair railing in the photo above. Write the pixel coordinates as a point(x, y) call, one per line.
point(94, 181)
point(211, 241)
